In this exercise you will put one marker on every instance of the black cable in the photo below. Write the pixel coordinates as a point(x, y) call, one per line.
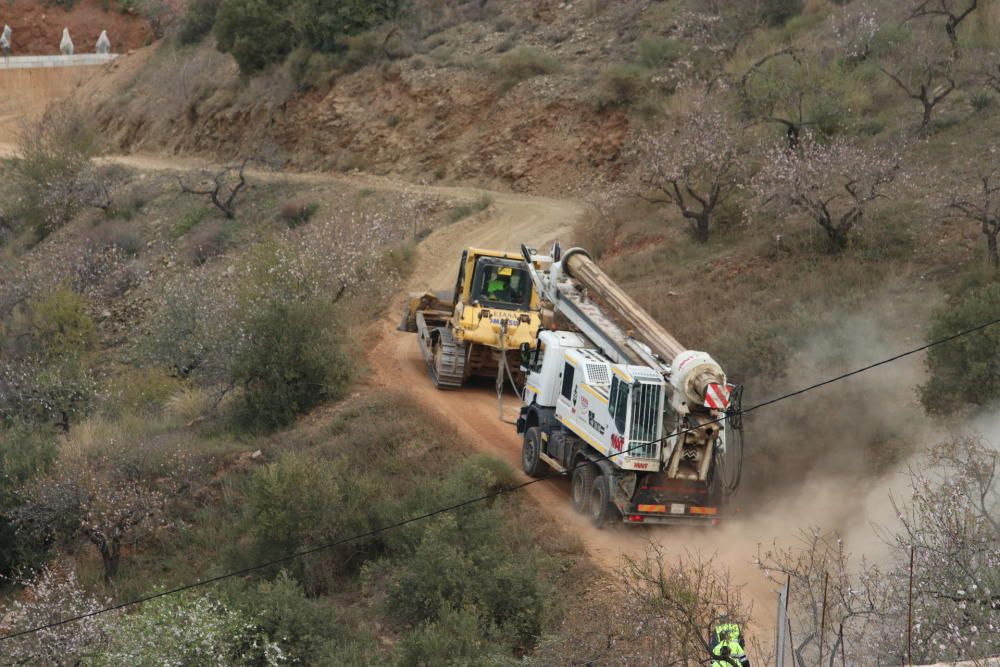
point(493, 494)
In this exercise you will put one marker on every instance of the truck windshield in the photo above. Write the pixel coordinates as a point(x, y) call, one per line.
point(501, 284)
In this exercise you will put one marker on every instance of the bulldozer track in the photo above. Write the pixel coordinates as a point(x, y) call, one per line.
point(447, 368)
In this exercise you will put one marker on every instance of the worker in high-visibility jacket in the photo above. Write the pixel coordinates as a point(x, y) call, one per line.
point(727, 654)
point(727, 633)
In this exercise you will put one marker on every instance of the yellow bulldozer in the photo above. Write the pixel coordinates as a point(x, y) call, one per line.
point(481, 328)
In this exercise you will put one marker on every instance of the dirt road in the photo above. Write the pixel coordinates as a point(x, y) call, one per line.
point(396, 362)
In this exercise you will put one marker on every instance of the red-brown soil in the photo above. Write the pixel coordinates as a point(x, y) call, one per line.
point(37, 27)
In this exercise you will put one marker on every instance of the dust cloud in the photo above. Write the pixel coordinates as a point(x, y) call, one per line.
point(832, 458)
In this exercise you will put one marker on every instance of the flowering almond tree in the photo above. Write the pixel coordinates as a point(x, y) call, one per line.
point(832, 183)
point(697, 167)
point(103, 498)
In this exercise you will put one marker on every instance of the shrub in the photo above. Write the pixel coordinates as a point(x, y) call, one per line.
point(53, 157)
point(654, 52)
point(254, 32)
point(777, 12)
point(311, 70)
point(981, 101)
point(25, 452)
point(453, 639)
point(203, 631)
point(297, 212)
point(462, 211)
point(525, 63)
point(139, 391)
point(60, 326)
point(299, 502)
point(291, 362)
point(208, 242)
point(361, 49)
point(619, 85)
point(198, 21)
point(965, 372)
point(190, 220)
point(117, 235)
point(281, 610)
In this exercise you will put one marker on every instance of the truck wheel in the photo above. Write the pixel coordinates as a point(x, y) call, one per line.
point(583, 480)
point(530, 450)
point(602, 510)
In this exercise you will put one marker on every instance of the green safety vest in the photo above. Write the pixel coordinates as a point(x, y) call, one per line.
point(724, 631)
point(496, 285)
point(735, 652)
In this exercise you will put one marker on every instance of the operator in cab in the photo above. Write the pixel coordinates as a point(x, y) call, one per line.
point(498, 288)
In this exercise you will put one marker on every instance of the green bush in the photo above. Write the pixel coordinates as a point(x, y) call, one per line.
point(306, 627)
point(198, 21)
point(298, 502)
point(291, 362)
point(654, 52)
point(464, 559)
point(525, 63)
point(619, 85)
point(255, 32)
point(777, 12)
point(965, 372)
point(259, 33)
point(25, 451)
point(60, 326)
point(453, 639)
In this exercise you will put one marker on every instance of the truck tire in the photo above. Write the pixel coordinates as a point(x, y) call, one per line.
point(602, 510)
point(530, 450)
point(584, 473)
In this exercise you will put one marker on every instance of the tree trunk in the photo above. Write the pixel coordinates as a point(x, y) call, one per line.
point(926, 120)
point(992, 254)
point(838, 237)
point(110, 557)
point(701, 224)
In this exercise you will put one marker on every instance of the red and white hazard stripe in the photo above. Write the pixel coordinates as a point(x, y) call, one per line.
point(717, 396)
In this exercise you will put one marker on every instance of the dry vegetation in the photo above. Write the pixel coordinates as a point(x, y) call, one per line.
point(768, 179)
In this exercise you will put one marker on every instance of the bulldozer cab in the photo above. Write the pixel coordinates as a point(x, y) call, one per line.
point(494, 280)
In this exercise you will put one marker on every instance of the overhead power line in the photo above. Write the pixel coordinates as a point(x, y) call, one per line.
point(472, 501)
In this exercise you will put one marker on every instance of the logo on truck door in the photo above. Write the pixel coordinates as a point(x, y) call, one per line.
point(617, 442)
point(594, 424)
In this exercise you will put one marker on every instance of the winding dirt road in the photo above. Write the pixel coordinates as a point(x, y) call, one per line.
point(396, 363)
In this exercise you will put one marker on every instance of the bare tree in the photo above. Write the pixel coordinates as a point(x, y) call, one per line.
point(697, 167)
point(953, 12)
point(833, 183)
point(952, 527)
point(661, 613)
point(836, 605)
point(929, 83)
point(105, 498)
point(979, 201)
point(785, 88)
point(936, 597)
point(222, 187)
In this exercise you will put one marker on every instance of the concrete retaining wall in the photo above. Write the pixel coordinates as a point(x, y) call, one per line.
point(33, 62)
point(28, 84)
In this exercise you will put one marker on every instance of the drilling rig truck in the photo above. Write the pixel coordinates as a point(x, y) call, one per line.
point(648, 430)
